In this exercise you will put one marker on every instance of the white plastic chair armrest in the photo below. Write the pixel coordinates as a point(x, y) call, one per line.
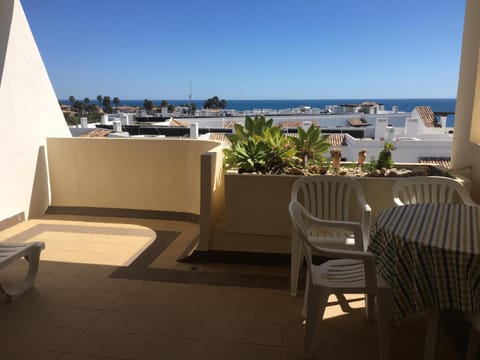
point(355, 227)
point(397, 201)
point(364, 256)
point(366, 221)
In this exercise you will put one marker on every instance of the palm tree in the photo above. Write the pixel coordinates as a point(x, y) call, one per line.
point(107, 103)
point(86, 101)
point(71, 98)
point(116, 101)
point(99, 100)
point(215, 103)
point(148, 104)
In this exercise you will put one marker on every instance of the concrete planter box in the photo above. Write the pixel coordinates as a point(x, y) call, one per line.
point(256, 208)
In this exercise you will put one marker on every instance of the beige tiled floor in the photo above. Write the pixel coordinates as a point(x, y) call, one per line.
point(77, 311)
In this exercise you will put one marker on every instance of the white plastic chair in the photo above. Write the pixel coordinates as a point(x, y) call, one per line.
point(429, 189)
point(330, 198)
point(352, 272)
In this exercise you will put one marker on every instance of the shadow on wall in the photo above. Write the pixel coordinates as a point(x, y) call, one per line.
point(39, 199)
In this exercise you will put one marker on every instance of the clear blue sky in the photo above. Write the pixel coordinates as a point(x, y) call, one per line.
point(250, 49)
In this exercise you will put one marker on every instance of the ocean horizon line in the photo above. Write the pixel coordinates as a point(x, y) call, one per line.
point(284, 99)
point(402, 104)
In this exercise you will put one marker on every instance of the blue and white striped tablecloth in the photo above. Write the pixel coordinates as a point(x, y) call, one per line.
point(430, 255)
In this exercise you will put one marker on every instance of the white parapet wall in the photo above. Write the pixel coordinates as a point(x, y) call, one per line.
point(30, 113)
point(408, 149)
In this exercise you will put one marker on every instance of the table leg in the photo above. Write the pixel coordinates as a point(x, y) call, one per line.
point(433, 319)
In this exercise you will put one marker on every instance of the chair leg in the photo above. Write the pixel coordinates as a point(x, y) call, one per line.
point(296, 264)
point(433, 319)
point(305, 296)
point(384, 316)
point(317, 300)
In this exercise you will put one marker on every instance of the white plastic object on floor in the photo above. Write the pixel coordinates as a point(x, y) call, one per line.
point(11, 252)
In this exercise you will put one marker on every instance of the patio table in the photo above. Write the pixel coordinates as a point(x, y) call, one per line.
point(430, 256)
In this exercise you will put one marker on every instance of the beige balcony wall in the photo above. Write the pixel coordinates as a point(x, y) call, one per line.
point(212, 195)
point(143, 174)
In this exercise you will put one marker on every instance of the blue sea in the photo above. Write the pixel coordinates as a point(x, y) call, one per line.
point(437, 105)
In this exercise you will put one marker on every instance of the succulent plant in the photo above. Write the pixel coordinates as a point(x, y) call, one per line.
point(385, 160)
point(311, 145)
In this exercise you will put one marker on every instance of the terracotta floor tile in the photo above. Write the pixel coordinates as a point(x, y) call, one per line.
point(67, 356)
point(23, 335)
point(78, 318)
point(98, 300)
point(130, 303)
point(218, 330)
point(211, 350)
point(180, 328)
point(147, 324)
point(134, 346)
point(268, 306)
point(150, 288)
point(60, 297)
point(177, 349)
point(291, 354)
point(112, 322)
point(119, 286)
point(92, 342)
point(256, 352)
point(70, 282)
point(56, 339)
point(33, 355)
point(293, 334)
point(262, 334)
point(46, 315)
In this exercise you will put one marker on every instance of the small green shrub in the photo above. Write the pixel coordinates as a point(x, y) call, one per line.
point(385, 160)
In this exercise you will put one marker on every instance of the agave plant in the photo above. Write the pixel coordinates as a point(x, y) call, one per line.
point(246, 156)
point(253, 127)
point(259, 147)
point(281, 151)
point(311, 145)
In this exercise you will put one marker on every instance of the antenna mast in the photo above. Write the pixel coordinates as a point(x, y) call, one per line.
point(190, 95)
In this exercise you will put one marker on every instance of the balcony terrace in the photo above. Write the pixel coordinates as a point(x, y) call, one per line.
point(111, 288)
point(117, 214)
